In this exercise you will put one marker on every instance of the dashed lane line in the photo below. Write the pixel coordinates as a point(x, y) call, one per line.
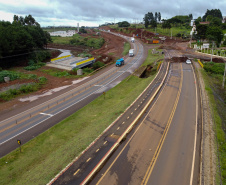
point(76, 172)
point(46, 114)
point(88, 160)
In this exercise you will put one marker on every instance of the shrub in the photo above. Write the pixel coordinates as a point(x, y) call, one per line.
point(87, 70)
point(97, 65)
point(11, 74)
point(215, 68)
point(42, 80)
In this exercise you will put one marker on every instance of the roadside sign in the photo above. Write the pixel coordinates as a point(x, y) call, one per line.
point(19, 142)
point(206, 45)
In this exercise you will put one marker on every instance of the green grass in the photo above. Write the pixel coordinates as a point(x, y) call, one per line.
point(126, 49)
point(218, 127)
point(44, 156)
point(151, 58)
point(61, 40)
point(175, 31)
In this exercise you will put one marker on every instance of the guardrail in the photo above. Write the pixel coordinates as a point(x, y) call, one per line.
point(200, 63)
point(60, 58)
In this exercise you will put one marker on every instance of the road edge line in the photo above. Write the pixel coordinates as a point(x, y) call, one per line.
point(107, 155)
point(91, 144)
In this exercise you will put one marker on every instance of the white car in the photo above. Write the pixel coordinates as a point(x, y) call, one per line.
point(188, 61)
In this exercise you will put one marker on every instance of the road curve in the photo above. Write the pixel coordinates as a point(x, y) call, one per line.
point(30, 123)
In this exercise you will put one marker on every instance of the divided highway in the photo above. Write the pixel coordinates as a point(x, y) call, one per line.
point(82, 169)
point(162, 148)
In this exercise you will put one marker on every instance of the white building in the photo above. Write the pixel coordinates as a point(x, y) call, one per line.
point(68, 33)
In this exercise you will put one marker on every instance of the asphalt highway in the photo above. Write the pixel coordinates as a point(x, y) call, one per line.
point(29, 123)
point(162, 148)
point(82, 169)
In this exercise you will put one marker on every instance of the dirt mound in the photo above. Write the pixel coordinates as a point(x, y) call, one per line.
point(105, 59)
point(179, 59)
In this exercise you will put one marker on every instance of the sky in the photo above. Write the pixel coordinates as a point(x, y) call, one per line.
point(96, 12)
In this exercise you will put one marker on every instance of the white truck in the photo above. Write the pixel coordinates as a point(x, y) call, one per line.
point(132, 39)
point(131, 52)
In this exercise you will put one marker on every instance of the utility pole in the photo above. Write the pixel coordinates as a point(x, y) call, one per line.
point(224, 75)
point(171, 33)
point(212, 52)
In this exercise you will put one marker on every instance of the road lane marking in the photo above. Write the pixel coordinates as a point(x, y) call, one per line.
point(123, 122)
point(88, 160)
point(112, 134)
point(76, 172)
point(118, 128)
point(46, 114)
point(196, 123)
point(103, 175)
point(131, 113)
point(105, 142)
point(128, 117)
point(97, 150)
point(135, 109)
point(159, 147)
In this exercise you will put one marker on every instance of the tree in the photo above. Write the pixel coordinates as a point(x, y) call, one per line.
point(156, 16)
point(190, 16)
point(21, 37)
point(214, 13)
point(153, 24)
point(198, 20)
point(82, 29)
point(146, 23)
point(201, 31)
point(159, 16)
point(214, 34)
point(123, 24)
point(216, 22)
point(166, 24)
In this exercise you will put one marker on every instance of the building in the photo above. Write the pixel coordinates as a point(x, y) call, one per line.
point(207, 22)
point(68, 33)
point(224, 19)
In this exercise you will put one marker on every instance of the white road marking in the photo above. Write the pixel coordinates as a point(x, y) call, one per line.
point(46, 114)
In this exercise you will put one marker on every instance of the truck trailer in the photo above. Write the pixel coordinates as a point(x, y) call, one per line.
point(132, 39)
point(131, 52)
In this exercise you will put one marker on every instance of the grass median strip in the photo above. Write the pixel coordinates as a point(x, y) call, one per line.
point(47, 154)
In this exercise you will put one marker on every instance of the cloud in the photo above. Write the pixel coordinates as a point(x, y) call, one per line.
point(89, 12)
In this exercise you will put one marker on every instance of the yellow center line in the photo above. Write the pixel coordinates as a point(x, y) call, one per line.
point(153, 161)
point(97, 150)
point(105, 142)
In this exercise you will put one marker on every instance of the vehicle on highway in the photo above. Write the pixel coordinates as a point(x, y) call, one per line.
point(119, 62)
point(131, 54)
point(132, 39)
point(188, 61)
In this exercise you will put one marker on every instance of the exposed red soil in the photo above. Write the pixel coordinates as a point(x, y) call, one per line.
point(111, 50)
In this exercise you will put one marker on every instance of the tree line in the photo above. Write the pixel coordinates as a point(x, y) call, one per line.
point(212, 29)
point(21, 37)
